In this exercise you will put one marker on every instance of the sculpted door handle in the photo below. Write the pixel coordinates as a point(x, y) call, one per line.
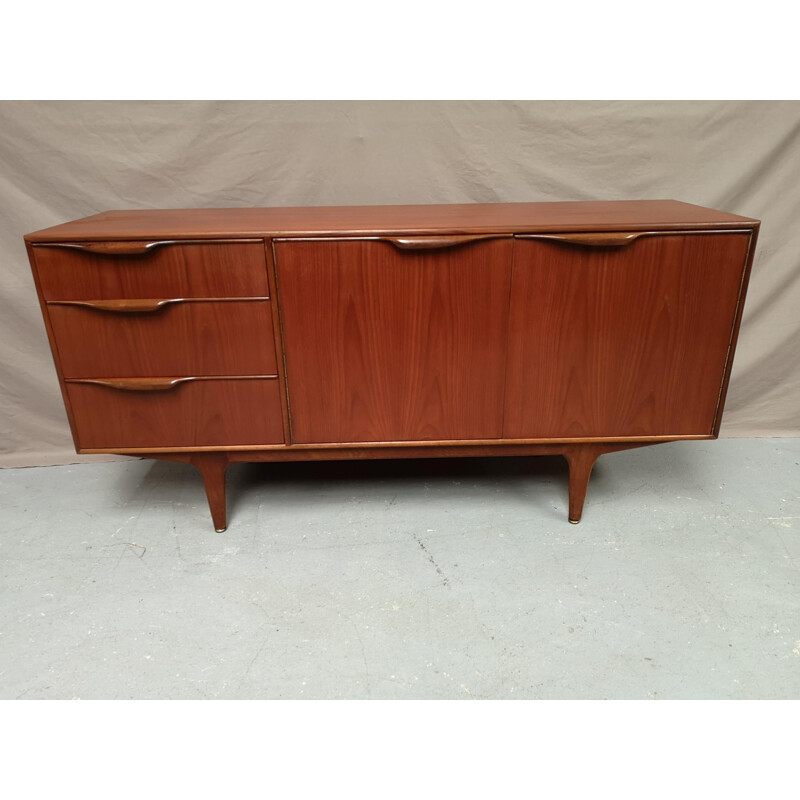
point(111, 248)
point(612, 239)
point(437, 242)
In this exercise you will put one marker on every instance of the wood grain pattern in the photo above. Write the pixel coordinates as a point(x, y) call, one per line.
point(218, 269)
point(198, 338)
point(390, 345)
point(471, 218)
point(621, 342)
point(201, 413)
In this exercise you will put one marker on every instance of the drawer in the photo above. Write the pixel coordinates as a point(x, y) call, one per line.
point(194, 412)
point(155, 269)
point(176, 338)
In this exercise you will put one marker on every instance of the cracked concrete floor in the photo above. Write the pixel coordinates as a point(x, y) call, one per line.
point(408, 580)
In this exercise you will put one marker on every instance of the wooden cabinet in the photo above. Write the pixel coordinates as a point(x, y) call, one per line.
point(217, 335)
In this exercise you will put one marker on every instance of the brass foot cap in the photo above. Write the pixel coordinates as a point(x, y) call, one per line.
point(220, 530)
point(574, 521)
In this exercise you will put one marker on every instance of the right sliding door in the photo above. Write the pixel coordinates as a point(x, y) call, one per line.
point(622, 340)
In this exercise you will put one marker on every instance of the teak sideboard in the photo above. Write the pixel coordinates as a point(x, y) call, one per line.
point(211, 336)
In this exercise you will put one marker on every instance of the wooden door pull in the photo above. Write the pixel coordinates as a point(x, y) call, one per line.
point(613, 239)
point(435, 242)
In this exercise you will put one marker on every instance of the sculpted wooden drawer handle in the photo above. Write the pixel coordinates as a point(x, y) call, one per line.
point(112, 248)
point(162, 384)
point(435, 242)
point(120, 306)
point(135, 384)
point(147, 306)
point(589, 239)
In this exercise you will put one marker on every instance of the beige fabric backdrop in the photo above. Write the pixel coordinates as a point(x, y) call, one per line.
point(64, 160)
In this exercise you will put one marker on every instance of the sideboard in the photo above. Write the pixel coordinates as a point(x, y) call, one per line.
point(212, 336)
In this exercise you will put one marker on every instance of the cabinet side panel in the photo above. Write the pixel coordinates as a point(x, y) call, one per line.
point(391, 345)
point(735, 333)
point(626, 341)
point(53, 345)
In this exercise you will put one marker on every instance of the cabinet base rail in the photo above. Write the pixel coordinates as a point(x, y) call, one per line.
point(580, 457)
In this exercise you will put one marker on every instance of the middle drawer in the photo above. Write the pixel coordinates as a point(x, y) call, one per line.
point(179, 337)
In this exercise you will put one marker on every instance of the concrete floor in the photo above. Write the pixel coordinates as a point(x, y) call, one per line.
point(410, 580)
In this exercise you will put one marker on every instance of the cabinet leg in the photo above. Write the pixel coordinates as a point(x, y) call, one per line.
point(212, 467)
point(581, 459)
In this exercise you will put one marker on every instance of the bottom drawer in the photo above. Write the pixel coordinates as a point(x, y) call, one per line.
point(193, 413)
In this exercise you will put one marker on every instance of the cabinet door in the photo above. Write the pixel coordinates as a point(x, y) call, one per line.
point(621, 341)
point(385, 344)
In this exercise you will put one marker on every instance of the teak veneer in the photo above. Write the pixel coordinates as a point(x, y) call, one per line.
point(211, 336)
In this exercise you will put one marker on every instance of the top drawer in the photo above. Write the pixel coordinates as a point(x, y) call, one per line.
point(136, 270)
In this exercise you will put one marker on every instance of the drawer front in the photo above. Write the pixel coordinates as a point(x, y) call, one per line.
point(179, 338)
point(223, 412)
point(206, 269)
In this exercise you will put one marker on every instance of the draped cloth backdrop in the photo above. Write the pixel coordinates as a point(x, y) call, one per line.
point(64, 160)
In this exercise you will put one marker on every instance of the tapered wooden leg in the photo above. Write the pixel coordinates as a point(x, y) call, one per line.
point(212, 467)
point(581, 458)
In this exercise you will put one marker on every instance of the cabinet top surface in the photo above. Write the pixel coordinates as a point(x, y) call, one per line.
point(393, 220)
